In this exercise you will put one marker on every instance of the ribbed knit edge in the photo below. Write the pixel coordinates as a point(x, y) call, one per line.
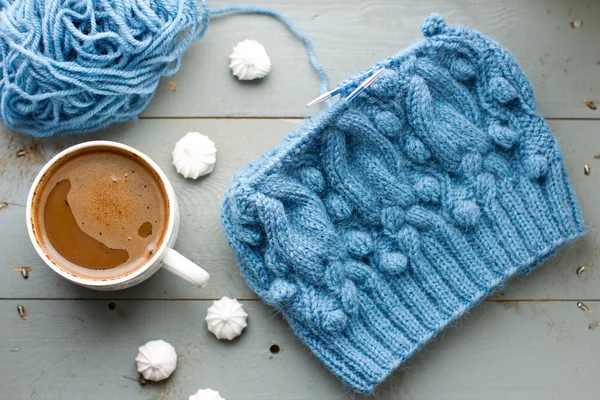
point(527, 223)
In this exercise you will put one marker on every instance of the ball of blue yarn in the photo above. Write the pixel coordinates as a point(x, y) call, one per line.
point(71, 66)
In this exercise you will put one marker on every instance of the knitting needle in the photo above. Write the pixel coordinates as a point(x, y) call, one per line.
point(365, 84)
point(336, 90)
point(327, 95)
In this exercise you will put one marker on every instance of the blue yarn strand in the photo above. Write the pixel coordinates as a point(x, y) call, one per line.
point(80, 66)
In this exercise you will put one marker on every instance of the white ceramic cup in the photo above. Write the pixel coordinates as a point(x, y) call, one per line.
point(164, 256)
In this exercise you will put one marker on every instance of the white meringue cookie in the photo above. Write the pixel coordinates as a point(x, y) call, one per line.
point(194, 155)
point(206, 394)
point(249, 60)
point(226, 318)
point(156, 360)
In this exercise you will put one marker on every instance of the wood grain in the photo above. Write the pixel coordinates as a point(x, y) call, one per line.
point(350, 36)
point(530, 341)
point(201, 238)
point(73, 350)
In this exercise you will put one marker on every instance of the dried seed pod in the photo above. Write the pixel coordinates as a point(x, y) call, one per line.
point(22, 312)
point(23, 270)
point(584, 307)
point(172, 86)
point(591, 105)
point(581, 269)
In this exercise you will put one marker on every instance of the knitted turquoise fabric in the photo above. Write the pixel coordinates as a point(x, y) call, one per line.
point(384, 219)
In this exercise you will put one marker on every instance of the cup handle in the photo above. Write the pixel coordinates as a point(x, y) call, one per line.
point(184, 268)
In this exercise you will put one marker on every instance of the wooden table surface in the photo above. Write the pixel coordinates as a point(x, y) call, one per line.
point(530, 341)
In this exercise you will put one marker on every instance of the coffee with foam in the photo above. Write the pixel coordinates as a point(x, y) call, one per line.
point(100, 213)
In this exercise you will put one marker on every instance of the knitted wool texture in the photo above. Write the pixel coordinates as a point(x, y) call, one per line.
point(384, 219)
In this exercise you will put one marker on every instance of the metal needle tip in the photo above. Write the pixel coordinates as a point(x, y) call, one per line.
point(335, 91)
point(365, 84)
point(324, 96)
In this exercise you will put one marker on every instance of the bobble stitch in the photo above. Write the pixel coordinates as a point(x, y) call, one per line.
point(333, 321)
point(312, 178)
point(416, 150)
point(428, 189)
point(392, 219)
point(503, 136)
point(359, 244)
point(467, 213)
point(338, 207)
point(462, 69)
point(502, 90)
point(393, 263)
point(433, 25)
point(280, 293)
point(320, 311)
point(536, 166)
point(388, 124)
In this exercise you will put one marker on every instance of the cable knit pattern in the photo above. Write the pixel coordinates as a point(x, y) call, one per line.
point(384, 219)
